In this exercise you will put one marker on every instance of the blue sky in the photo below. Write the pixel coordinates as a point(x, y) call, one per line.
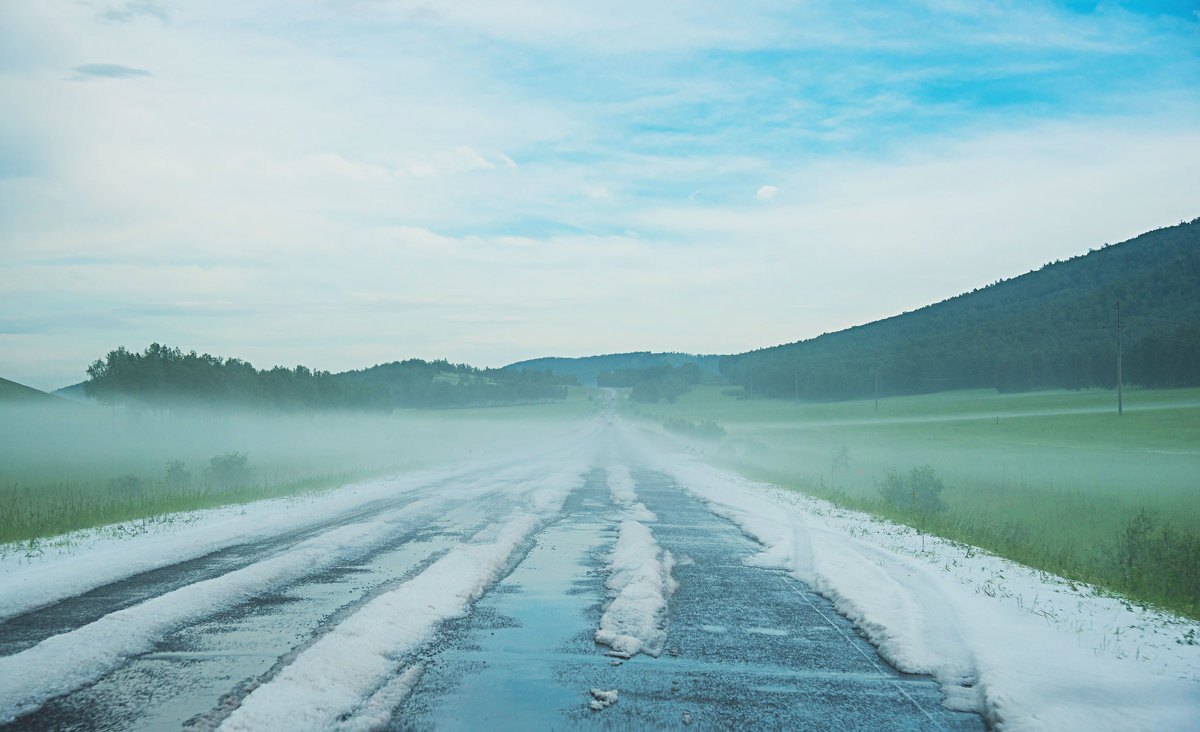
point(343, 183)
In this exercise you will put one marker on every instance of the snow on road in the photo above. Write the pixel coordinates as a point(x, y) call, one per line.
point(640, 584)
point(624, 493)
point(364, 647)
point(68, 661)
point(1028, 650)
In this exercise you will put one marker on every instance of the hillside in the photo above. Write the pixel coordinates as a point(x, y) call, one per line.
point(11, 391)
point(1050, 328)
point(587, 368)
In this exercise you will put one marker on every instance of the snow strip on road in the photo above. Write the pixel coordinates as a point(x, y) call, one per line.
point(641, 584)
point(1027, 649)
point(624, 493)
point(65, 662)
point(330, 679)
point(348, 677)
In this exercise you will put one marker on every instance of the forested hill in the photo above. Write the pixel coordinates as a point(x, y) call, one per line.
point(1050, 328)
point(587, 368)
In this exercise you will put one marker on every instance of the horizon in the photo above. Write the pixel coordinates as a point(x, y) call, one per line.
point(343, 184)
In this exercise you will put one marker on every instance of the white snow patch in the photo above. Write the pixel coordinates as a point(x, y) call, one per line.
point(1027, 649)
point(376, 712)
point(640, 582)
point(624, 493)
point(603, 698)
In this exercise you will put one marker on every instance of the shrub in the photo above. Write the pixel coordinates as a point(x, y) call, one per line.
point(228, 470)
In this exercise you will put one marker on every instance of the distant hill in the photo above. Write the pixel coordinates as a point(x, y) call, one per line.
point(586, 368)
point(417, 383)
point(1051, 328)
point(74, 392)
point(11, 391)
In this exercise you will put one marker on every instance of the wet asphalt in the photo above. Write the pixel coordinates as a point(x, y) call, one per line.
point(747, 647)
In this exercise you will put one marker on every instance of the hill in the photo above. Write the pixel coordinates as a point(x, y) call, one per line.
point(587, 368)
point(1051, 328)
point(74, 392)
point(11, 391)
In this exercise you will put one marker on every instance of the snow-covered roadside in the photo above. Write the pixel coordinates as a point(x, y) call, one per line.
point(624, 493)
point(1027, 649)
point(364, 647)
point(641, 585)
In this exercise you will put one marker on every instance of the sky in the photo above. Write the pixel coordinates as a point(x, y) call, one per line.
point(340, 183)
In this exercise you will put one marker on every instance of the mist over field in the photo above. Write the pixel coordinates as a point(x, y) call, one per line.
point(78, 465)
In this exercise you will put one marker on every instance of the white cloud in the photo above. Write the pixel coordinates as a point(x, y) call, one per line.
point(297, 173)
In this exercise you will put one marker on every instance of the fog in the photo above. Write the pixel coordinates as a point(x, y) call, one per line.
point(66, 465)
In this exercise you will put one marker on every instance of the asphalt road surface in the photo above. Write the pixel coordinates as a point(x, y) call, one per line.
point(746, 647)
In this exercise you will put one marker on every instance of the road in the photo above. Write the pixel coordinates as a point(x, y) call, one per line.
point(469, 603)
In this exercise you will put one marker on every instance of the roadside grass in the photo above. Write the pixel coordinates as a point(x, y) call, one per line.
point(65, 467)
point(1054, 480)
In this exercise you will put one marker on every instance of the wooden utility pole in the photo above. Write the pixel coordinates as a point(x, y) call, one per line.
point(877, 389)
point(1120, 407)
point(1118, 327)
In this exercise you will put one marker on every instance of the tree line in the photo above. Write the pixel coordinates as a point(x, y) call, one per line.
point(162, 377)
point(649, 385)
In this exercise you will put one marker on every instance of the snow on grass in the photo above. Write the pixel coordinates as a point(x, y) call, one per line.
point(348, 677)
point(624, 493)
point(602, 699)
point(65, 662)
point(640, 583)
point(1027, 649)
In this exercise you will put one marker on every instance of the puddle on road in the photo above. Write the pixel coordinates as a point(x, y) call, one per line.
point(509, 663)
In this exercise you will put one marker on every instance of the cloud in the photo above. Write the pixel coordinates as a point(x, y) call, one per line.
point(766, 193)
point(131, 11)
point(110, 71)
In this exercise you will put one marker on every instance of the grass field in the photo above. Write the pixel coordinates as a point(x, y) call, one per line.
point(1052, 479)
point(67, 466)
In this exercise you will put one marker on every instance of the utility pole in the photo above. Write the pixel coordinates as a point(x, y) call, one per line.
point(876, 388)
point(1118, 327)
point(1120, 407)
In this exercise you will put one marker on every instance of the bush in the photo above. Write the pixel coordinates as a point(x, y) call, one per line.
point(1159, 561)
point(706, 429)
point(918, 494)
point(178, 475)
point(228, 470)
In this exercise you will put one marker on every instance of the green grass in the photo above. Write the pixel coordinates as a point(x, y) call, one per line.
point(68, 466)
point(1051, 479)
